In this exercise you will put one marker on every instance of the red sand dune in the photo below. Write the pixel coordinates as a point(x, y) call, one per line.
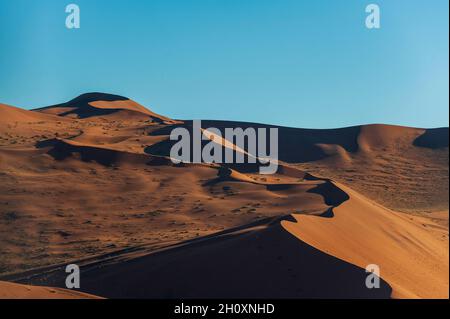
point(90, 181)
point(100, 104)
point(412, 259)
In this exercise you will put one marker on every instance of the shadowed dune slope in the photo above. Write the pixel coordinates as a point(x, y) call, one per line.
point(61, 149)
point(433, 138)
point(256, 261)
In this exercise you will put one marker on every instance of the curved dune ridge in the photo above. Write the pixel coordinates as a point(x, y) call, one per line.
point(412, 258)
point(148, 228)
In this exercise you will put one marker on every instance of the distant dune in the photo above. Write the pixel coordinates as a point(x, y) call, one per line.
point(90, 181)
point(12, 115)
point(100, 104)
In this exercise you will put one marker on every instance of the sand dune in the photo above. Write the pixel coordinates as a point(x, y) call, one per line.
point(11, 115)
point(100, 104)
point(14, 291)
point(389, 164)
point(260, 260)
point(90, 180)
point(412, 252)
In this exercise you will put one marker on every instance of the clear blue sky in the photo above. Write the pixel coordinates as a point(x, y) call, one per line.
point(289, 62)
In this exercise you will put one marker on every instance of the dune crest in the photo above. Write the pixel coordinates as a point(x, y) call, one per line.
point(101, 104)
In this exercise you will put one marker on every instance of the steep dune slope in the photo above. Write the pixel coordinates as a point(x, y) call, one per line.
point(260, 260)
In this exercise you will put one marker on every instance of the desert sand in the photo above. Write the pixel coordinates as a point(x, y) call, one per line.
point(90, 181)
point(16, 291)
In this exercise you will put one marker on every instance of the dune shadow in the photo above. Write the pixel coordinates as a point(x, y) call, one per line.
point(295, 145)
point(433, 138)
point(333, 195)
point(60, 150)
point(262, 262)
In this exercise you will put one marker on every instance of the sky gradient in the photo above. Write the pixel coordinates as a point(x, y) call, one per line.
point(290, 62)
